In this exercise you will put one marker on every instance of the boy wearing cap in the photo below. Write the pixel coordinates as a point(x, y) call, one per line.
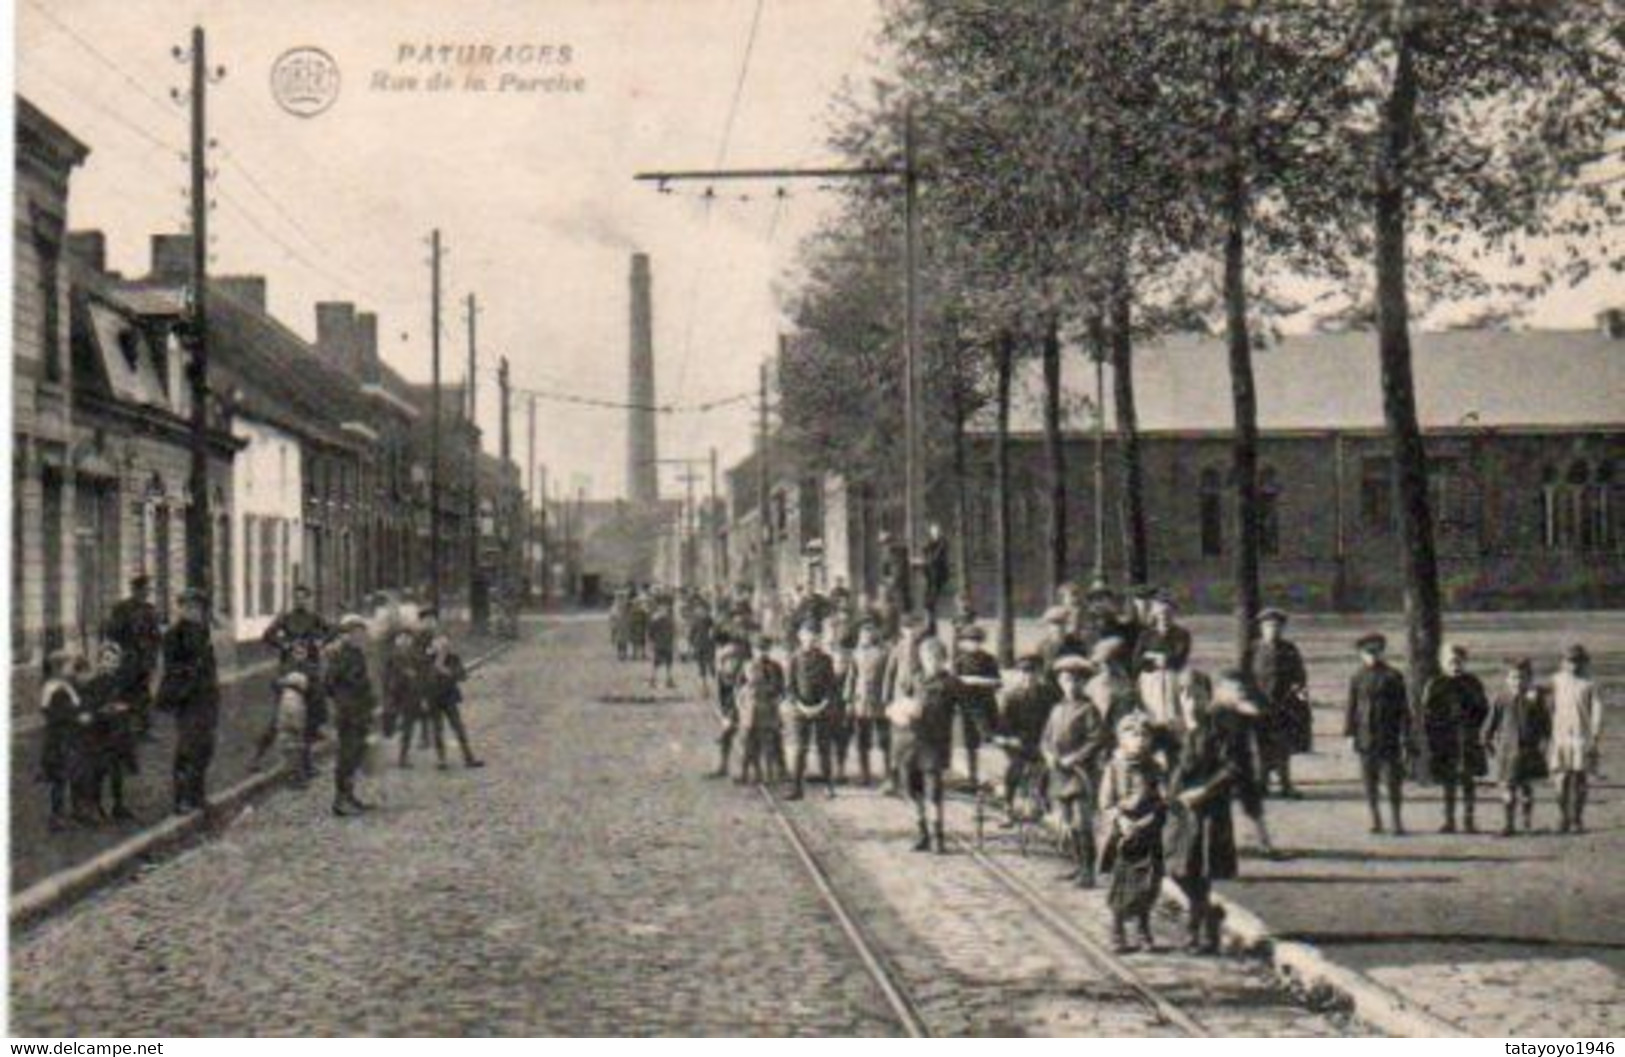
point(979, 675)
point(813, 699)
point(1454, 708)
point(1283, 682)
point(1519, 729)
point(1378, 719)
point(1024, 711)
point(1576, 733)
point(1078, 739)
point(1058, 642)
point(865, 696)
point(927, 743)
point(350, 689)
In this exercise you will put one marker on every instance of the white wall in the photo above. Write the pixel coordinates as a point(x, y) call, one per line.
point(269, 488)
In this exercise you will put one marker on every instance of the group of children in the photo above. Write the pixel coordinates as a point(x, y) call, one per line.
point(90, 735)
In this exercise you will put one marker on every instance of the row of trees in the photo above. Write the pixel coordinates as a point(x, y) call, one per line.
point(1099, 171)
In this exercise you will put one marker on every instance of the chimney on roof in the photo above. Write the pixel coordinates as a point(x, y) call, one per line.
point(1611, 321)
point(172, 257)
point(245, 289)
point(89, 248)
point(367, 346)
point(336, 334)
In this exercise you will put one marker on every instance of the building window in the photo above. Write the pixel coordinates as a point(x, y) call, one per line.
point(1377, 493)
point(268, 565)
point(1212, 499)
point(1448, 494)
point(223, 571)
point(1269, 512)
point(1574, 506)
point(50, 260)
point(250, 554)
point(285, 580)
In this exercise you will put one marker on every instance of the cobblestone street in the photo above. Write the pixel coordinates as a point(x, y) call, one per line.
point(589, 881)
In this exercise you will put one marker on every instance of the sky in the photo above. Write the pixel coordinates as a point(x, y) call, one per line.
point(533, 192)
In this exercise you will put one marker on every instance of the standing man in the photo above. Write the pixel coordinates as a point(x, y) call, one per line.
point(934, 563)
point(190, 689)
point(1455, 707)
point(134, 627)
point(894, 572)
point(1163, 635)
point(350, 688)
point(299, 636)
point(1379, 721)
point(1283, 682)
point(813, 696)
point(978, 673)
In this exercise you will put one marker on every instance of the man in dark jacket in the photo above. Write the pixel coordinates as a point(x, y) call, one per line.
point(1379, 721)
point(1283, 684)
point(190, 689)
point(812, 690)
point(895, 573)
point(978, 673)
point(299, 636)
point(1454, 709)
point(349, 687)
point(134, 627)
point(935, 567)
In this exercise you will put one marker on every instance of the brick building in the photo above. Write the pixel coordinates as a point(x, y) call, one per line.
point(1525, 433)
point(44, 591)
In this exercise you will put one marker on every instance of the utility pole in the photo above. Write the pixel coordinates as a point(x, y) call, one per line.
point(764, 574)
point(912, 490)
point(473, 459)
point(530, 498)
point(1100, 465)
point(434, 423)
point(719, 574)
point(545, 524)
point(504, 509)
point(199, 549)
point(686, 534)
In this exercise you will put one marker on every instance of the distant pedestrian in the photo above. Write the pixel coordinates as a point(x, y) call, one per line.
point(1517, 736)
point(732, 654)
point(1285, 728)
point(1378, 719)
point(763, 686)
point(1058, 642)
point(444, 675)
point(417, 710)
point(112, 733)
point(902, 683)
point(349, 687)
point(67, 723)
point(637, 628)
point(1577, 711)
point(935, 570)
point(291, 691)
point(1132, 809)
point(702, 644)
point(1024, 709)
point(134, 626)
point(1163, 635)
point(299, 636)
point(662, 639)
point(1454, 709)
point(895, 573)
point(190, 691)
point(1075, 746)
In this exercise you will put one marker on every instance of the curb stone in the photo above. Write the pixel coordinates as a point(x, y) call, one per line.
point(52, 894)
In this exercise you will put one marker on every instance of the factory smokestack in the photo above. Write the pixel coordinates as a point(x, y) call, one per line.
point(642, 473)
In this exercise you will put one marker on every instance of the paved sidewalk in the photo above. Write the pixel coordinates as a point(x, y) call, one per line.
point(1521, 936)
point(36, 852)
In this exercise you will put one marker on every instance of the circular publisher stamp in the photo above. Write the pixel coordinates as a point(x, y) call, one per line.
point(305, 81)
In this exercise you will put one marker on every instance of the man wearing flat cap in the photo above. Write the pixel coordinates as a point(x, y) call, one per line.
point(1282, 679)
point(979, 676)
point(1379, 721)
point(1058, 642)
point(350, 689)
point(190, 690)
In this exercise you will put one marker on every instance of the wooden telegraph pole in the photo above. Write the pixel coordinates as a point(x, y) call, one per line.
point(434, 423)
point(530, 498)
point(199, 549)
point(472, 406)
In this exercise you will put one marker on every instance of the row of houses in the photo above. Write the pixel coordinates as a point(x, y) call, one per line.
point(1524, 430)
point(319, 451)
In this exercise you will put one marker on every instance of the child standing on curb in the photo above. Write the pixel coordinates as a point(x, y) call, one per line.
point(1132, 812)
point(66, 720)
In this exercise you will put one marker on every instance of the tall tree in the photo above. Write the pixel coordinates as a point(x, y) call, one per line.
point(1055, 454)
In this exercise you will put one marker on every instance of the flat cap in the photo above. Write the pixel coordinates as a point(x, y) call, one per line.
point(1071, 662)
point(1270, 613)
point(1371, 640)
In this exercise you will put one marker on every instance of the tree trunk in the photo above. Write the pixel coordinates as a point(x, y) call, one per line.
point(961, 544)
point(1242, 393)
point(1423, 620)
point(1056, 458)
point(1004, 355)
point(1135, 551)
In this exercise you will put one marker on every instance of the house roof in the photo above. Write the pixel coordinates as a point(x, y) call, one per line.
point(1484, 378)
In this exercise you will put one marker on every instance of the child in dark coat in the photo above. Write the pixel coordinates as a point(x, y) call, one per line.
point(1132, 811)
point(1517, 735)
point(63, 755)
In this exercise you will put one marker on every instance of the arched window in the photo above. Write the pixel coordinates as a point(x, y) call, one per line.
point(1269, 513)
point(1595, 530)
point(1212, 513)
point(1574, 506)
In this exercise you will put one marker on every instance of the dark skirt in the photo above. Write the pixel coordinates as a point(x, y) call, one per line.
point(1136, 877)
point(1201, 843)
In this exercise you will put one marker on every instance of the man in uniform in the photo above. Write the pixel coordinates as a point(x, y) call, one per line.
point(1378, 720)
point(813, 696)
point(134, 627)
point(190, 689)
point(350, 688)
